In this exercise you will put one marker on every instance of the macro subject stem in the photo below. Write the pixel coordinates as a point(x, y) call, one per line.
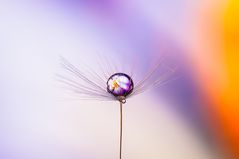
point(121, 128)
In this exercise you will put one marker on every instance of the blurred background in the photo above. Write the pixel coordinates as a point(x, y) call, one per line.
point(194, 116)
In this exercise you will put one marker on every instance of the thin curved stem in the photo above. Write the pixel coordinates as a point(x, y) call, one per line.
point(121, 128)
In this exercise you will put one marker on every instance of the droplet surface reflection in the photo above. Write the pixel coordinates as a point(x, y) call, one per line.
point(120, 84)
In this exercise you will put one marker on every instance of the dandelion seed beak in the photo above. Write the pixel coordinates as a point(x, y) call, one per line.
point(121, 99)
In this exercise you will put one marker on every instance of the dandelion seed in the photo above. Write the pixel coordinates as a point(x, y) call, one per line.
point(118, 87)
